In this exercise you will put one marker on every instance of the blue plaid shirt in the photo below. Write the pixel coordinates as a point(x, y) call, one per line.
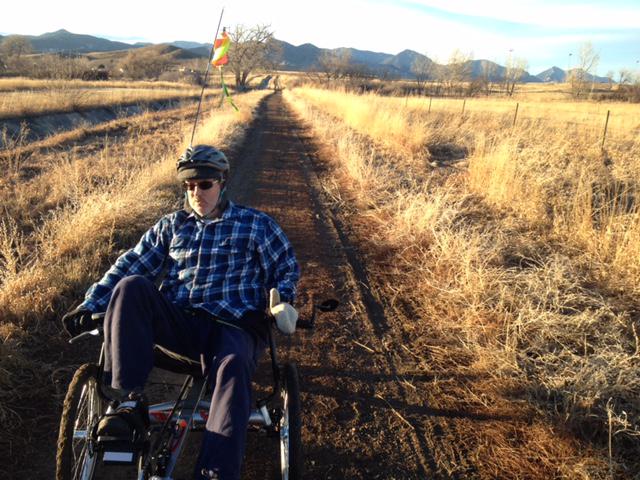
point(225, 266)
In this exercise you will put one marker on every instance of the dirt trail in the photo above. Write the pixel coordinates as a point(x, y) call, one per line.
point(356, 409)
point(381, 398)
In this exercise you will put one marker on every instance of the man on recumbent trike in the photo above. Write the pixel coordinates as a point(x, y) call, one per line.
point(219, 261)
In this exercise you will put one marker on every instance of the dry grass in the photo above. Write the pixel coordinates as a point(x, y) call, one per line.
point(407, 121)
point(21, 83)
point(528, 259)
point(17, 104)
point(61, 227)
point(18, 150)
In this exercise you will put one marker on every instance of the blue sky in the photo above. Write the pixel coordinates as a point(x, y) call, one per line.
point(544, 32)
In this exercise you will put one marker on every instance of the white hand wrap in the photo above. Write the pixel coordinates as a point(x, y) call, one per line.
point(286, 316)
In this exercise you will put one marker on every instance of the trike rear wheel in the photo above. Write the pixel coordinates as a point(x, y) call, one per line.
point(290, 425)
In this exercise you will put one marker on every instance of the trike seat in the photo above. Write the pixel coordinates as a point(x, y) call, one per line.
point(173, 362)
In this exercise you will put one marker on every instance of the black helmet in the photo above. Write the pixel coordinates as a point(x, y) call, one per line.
point(202, 161)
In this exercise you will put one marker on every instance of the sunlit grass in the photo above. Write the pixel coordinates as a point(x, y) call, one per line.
point(61, 226)
point(17, 104)
point(522, 252)
point(22, 83)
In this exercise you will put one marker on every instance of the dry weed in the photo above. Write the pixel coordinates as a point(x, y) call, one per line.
point(520, 268)
point(27, 103)
point(86, 205)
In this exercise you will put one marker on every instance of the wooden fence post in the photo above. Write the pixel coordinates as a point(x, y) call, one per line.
point(463, 105)
point(604, 134)
point(430, 98)
point(515, 115)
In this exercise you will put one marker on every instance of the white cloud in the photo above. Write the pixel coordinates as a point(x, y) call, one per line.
point(378, 25)
point(546, 13)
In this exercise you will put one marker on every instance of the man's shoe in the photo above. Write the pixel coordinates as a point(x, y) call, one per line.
point(129, 421)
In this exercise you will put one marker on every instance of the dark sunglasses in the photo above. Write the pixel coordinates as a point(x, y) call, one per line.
point(203, 185)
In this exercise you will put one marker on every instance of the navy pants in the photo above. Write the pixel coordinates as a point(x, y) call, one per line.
point(139, 316)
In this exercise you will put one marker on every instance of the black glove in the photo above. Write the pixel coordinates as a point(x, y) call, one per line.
point(77, 321)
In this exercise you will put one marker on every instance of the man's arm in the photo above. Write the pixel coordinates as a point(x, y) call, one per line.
point(146, 258)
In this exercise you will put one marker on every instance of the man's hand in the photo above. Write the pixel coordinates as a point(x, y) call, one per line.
point(286, 316)
point(77, 321)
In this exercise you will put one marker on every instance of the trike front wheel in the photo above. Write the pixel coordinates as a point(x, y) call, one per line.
point(76, 458)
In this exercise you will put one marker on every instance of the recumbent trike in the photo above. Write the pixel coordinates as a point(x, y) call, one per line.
point(80, 451)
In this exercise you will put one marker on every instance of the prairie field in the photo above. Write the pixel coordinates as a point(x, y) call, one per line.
point(505, 248)
point(24, 83)
point(512, 253)
point(66, 213)
point(26, 97)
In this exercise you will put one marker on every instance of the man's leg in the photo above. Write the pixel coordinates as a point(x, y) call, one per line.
point(139, 316)
point(233, 366)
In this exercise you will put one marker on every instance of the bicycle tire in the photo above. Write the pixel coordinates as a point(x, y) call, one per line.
point(290, 425)
point(82, 407)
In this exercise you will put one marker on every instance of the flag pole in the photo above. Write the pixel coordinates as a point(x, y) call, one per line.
point(206, 76)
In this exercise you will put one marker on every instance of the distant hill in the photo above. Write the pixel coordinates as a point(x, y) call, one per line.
point(201, 51)
point(403, 61)
point(64, 41)
point(306, 57)
point(558, 75)
point(364, 57)
point(189, 45)
point(303, 57)
point(169, 51)
point(495, 72)
point(553, 74)
point(597, 79)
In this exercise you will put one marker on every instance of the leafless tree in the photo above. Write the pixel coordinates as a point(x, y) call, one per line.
point(15, 45)
point(334, 64)
point(143, 64)
point(252, 48)
point(625, 75)
point(60, 66)
point(422, 69)
point(582, 77)
point(515, 70)
point(458, 72)
point(488, 75)
point(610, 75)
point(358, 72)
point(13, 49)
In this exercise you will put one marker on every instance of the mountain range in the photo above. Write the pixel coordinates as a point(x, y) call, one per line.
point(294, 58)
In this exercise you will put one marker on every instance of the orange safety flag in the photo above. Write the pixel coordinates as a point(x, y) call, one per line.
point(221, 47)
point(220, 58)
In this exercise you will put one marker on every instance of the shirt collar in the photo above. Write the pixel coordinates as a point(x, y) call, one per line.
point(228, 213)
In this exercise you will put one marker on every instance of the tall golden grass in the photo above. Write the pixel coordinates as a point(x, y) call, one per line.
point(523, 257)
point(24, 83)
point(17, 104)
point(548, 167)
point(60, 228)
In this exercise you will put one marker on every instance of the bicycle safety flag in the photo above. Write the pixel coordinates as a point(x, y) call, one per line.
point(221, 47)
point(225, 93)
point(220, 58)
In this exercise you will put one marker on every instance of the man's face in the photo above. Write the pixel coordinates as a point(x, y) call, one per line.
point(203, 195)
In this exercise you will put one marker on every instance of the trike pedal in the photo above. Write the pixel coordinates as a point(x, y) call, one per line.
point(118, 451)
